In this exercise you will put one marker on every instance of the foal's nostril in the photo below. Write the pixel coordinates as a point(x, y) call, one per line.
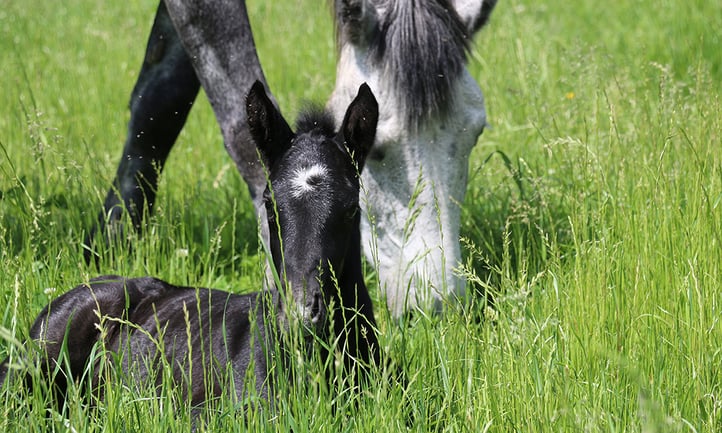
point(311, 308)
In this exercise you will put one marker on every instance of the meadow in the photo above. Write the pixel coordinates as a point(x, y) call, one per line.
point(593, 216)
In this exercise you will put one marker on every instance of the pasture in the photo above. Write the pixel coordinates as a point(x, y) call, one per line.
point(593, 215)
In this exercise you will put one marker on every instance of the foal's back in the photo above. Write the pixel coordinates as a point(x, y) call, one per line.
point(213, 342)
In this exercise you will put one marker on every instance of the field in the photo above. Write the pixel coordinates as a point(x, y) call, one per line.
point(593, 214)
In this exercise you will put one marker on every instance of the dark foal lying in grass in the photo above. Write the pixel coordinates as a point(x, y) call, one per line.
point(312, 205)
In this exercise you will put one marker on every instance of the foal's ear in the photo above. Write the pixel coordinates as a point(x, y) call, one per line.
point(359, 124)
point(268, 128)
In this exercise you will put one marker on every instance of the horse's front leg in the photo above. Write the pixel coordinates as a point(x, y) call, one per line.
point(159, 105)
point(218, 39)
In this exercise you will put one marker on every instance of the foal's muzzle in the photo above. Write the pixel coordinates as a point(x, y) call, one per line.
point(310, 308)
point(312, 311)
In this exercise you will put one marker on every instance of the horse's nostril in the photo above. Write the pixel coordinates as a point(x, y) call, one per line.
point(316, 309)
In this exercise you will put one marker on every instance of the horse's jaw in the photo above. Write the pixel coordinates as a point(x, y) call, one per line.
point(413, 185)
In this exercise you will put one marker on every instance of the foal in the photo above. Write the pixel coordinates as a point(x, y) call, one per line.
point(312, 202)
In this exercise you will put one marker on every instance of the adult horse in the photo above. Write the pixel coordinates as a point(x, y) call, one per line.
point(413, 55)
point(312, 203)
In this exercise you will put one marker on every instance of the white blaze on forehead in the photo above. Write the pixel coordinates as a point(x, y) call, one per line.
point(306, 179)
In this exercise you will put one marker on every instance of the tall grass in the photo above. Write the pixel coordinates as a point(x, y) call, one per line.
point(593, 215)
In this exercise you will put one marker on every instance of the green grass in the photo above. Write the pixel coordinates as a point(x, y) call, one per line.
point(594, 214)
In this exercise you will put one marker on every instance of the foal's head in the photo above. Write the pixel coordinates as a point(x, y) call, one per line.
point(312, 198)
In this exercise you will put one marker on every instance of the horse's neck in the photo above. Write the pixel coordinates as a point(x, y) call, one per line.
point(354, 293)
point(355, 298)
point(351, 279)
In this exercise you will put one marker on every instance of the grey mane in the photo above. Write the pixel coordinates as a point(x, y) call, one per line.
point(421, 46)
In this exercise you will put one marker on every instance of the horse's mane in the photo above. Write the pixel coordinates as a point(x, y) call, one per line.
point(421, 45)
point(315, 118)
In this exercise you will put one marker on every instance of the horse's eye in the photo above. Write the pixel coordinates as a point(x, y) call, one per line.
point(377, 154)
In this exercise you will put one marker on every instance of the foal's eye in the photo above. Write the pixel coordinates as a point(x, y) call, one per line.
point(270, 208)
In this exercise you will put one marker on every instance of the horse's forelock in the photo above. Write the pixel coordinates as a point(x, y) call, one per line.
point(421, 46)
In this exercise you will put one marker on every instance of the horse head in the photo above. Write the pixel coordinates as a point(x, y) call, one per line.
point(312, 195)
point(412, 53)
